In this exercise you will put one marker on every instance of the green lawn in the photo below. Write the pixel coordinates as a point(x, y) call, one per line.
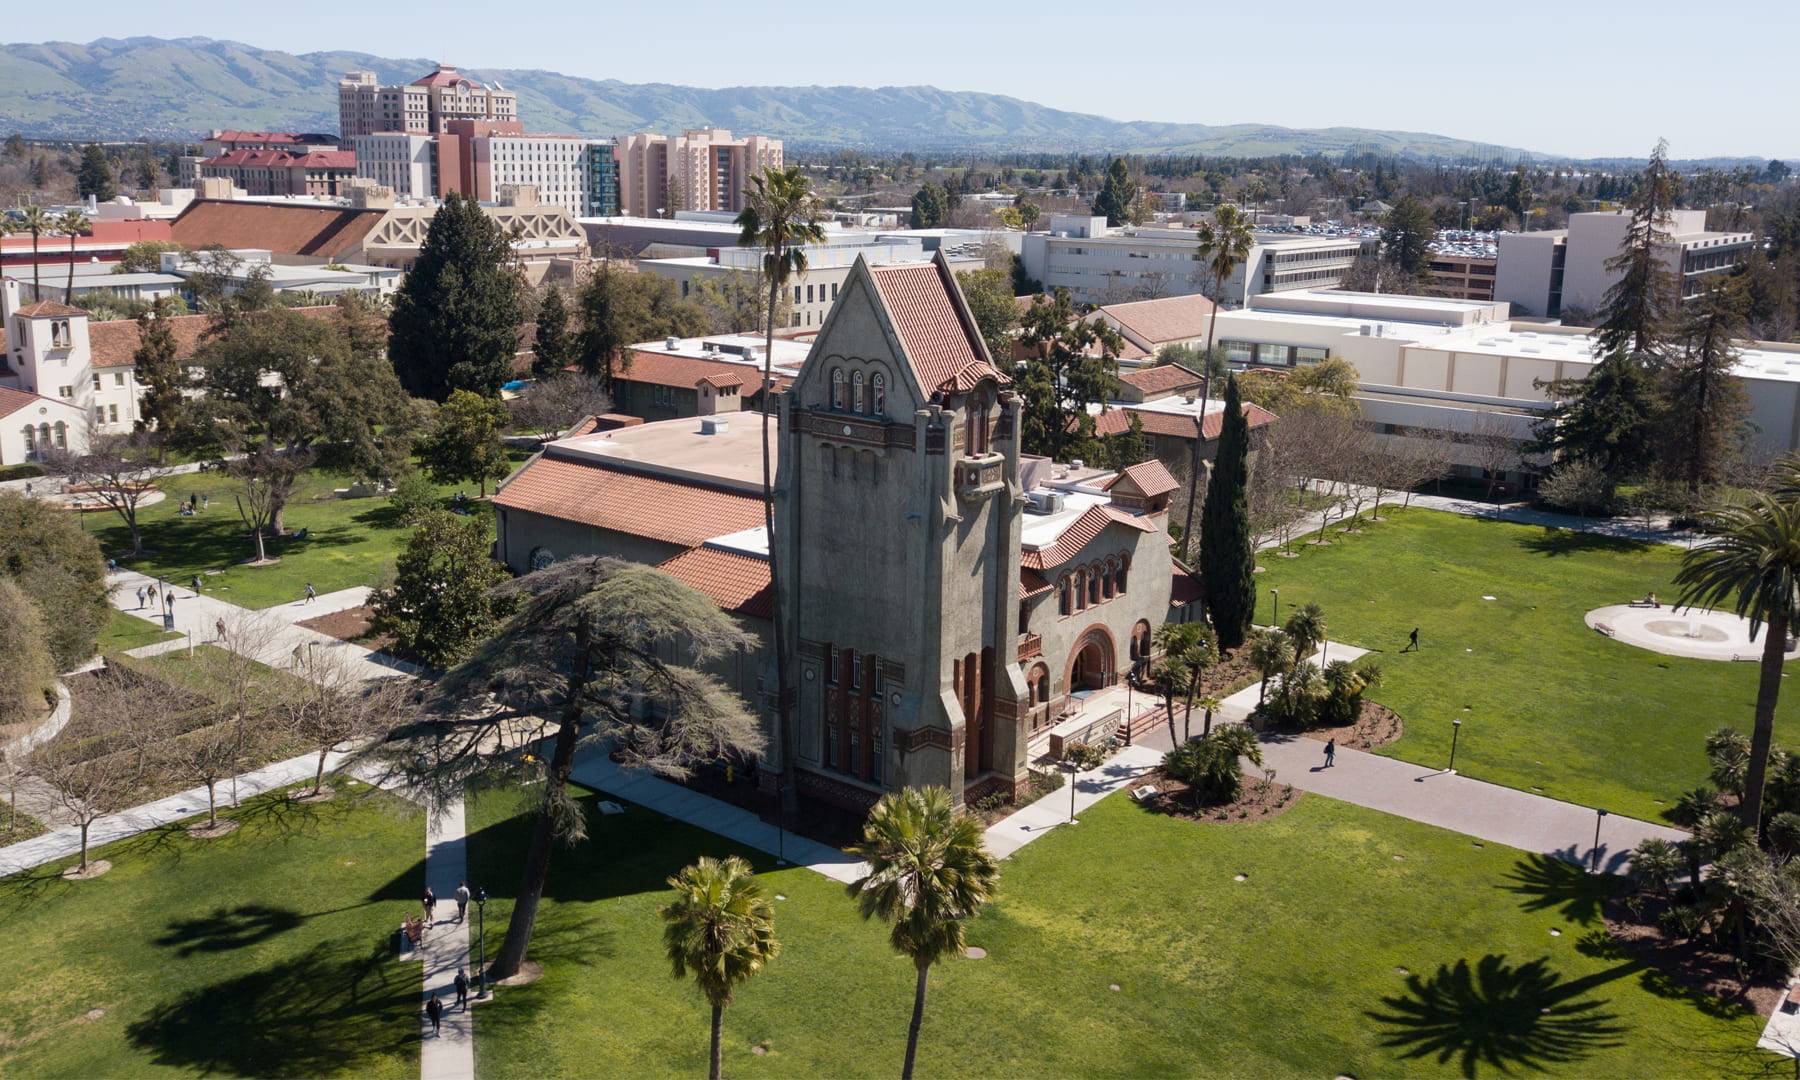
point(1546, 703)
point(264, 953)
point(1293, 972)
point(124, 631)
point(349, 542)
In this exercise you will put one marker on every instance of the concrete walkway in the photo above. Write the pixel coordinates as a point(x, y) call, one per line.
point(277, 638)
point(450, 1055)
point(1488, 812)
point(596, 770)
point(1009, 834)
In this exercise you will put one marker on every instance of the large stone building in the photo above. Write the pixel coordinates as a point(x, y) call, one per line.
point(949, 602)
point(702, 169)
point(423, 106)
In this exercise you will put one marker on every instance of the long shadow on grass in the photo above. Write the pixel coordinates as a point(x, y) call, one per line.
point(624, 855)
point(1499, 1016)
point(1554, 542)
point(1546, 882)
point(329, 1010)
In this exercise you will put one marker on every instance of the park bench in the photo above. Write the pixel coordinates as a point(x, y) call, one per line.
point(1143, 794)
point(1604, 629)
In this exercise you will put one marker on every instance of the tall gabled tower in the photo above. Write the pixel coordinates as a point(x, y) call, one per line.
point(897, 530)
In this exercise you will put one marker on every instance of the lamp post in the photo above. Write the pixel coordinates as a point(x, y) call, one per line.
point(1275, 615)
point(1455, 734)
point(481, 939)
point(1073, 769)
point(1599, 817)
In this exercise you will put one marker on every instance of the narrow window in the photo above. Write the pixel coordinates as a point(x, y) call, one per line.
point(878, 394)
point(856, 392)
point(837, 388)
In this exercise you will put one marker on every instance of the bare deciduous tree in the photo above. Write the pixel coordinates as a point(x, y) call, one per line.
point(206, 756)
point(112, 469)
point(337, 708)
point(1493, 447)
point(549, 407)
point(99, 775)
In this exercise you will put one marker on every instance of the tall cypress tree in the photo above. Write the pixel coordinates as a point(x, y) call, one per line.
point(456, 317)
point(1641, 303)
point(1227, 559)
point(554, 346)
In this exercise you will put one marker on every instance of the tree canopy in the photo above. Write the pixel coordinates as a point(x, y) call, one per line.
point(59, 567)
point(1070, 364)
point(457, 314)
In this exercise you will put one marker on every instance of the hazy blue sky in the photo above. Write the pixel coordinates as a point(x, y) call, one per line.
point(1581, 77)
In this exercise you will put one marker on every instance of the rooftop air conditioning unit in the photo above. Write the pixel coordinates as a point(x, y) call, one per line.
point(1046, 502)
point(671, 342)
point(713, 425)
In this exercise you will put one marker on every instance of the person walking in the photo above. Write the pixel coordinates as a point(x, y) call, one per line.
point(140, 595)
point(462, 899)
point(219, 625)
point(1330, 753)
point(462, 988)
point(150, 591)
point(1412, 641)
point(196, 584)
point(429, 900)
point(205, 501)
point(435, 1009)
point(311, 593)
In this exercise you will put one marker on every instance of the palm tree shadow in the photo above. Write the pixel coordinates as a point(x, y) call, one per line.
point(1547, 882)
point(1552, 542)
point(1499, 1016)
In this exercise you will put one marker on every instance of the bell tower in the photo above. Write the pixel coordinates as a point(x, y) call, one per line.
point(897, 516)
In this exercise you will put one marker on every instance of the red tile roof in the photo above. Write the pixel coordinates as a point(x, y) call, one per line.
point(324, 231)
point(687, 372)
point(1117, 421)
point(1163, 378)
point(654, 508)
point(736, 582)
point(444, 77)
point(941, 345)
point(1032, 583)
point(1156, 322)
point(254, 136)
point(282, 159)
point(114, 343)
point(1079, 534)
point(1184, 587)
point(1151, 478)
point(49, 309)
point(11, 401)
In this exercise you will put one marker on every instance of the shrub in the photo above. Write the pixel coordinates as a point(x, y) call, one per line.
point(413, 495)
point(1580, 487)
point(1209, 765)
point(1784, 833)
point(1083, 756)
point(22, 471)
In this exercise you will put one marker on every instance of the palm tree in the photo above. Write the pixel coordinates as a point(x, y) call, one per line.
point(1270, 652)
point(36, 221)
point(1752, 564)
point(1210, 766)
point(1306, 629)
point(1191, 646)
point(722, 928)
point(72, 223)
point(1224, 242)
point(781, 215)
point(1655, 865)
point(1168, 679)
point(929, 873)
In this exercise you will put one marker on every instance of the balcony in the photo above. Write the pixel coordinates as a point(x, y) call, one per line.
point(1030, 646)
point(977, 478)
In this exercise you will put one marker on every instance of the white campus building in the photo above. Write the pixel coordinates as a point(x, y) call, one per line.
point(1099, 264)
point(1541, 273)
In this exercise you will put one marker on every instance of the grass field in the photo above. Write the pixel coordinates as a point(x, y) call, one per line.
point(1121, 947)
point(123, 632)
point(263, 953)
point(1546, 703)
point(349, 542)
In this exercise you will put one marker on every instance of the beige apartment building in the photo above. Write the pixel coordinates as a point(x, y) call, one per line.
point(701, 169)
point(422, 107)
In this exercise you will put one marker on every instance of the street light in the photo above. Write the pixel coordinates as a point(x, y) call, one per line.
point(481, 939)
point(1275, 616)
point(1455, 733)
point(1073, 769)
point(1599, 816)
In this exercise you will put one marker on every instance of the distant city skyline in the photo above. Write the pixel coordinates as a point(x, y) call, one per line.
point(1553, 78)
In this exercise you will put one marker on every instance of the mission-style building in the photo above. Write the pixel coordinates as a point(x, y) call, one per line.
point(951, 603)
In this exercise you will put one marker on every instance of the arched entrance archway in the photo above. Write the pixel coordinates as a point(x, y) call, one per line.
point(1094, 662)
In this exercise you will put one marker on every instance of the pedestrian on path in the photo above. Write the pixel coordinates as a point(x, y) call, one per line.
point(435, 1009)
point(150, 590)
point(219, 625)
point(112, 566)
point(140, 597)
point(430, 901)
point(462, 899)
point(311, 594)
point(1412, 641)
point(1330, 753)
point(462, 989)
point(196, 584)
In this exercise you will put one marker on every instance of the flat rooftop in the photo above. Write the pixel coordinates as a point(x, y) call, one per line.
point(681, 450)
point(734, 349)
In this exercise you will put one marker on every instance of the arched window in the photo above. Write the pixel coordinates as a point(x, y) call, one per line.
point(1119, 577)
point(1065, 598)
point(30, 439)
point(1093, 584)
point(878, 394)
point(975, 429)
point(856, 392)
point(62, 435)
point(837, 388)
point(1106, 579)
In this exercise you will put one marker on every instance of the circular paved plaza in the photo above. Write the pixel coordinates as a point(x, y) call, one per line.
point(1692, 632)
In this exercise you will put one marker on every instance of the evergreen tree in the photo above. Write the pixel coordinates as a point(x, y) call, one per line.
point(1639, 305)
point(1607, 419)
point(95, 176)
point(618, 310)
point(1118, 194)
point(1406, 237)
point(1132, 447)
point(157, 369)
point(554, 348)
point(464, 441)
point(989, 294)
point(1227, 556)
point(1070, 364)
point(1703, 418)
point(442, 603)
point(456, 317)
point(929, 207)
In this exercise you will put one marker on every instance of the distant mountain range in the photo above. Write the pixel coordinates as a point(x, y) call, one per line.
point(137, 87)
